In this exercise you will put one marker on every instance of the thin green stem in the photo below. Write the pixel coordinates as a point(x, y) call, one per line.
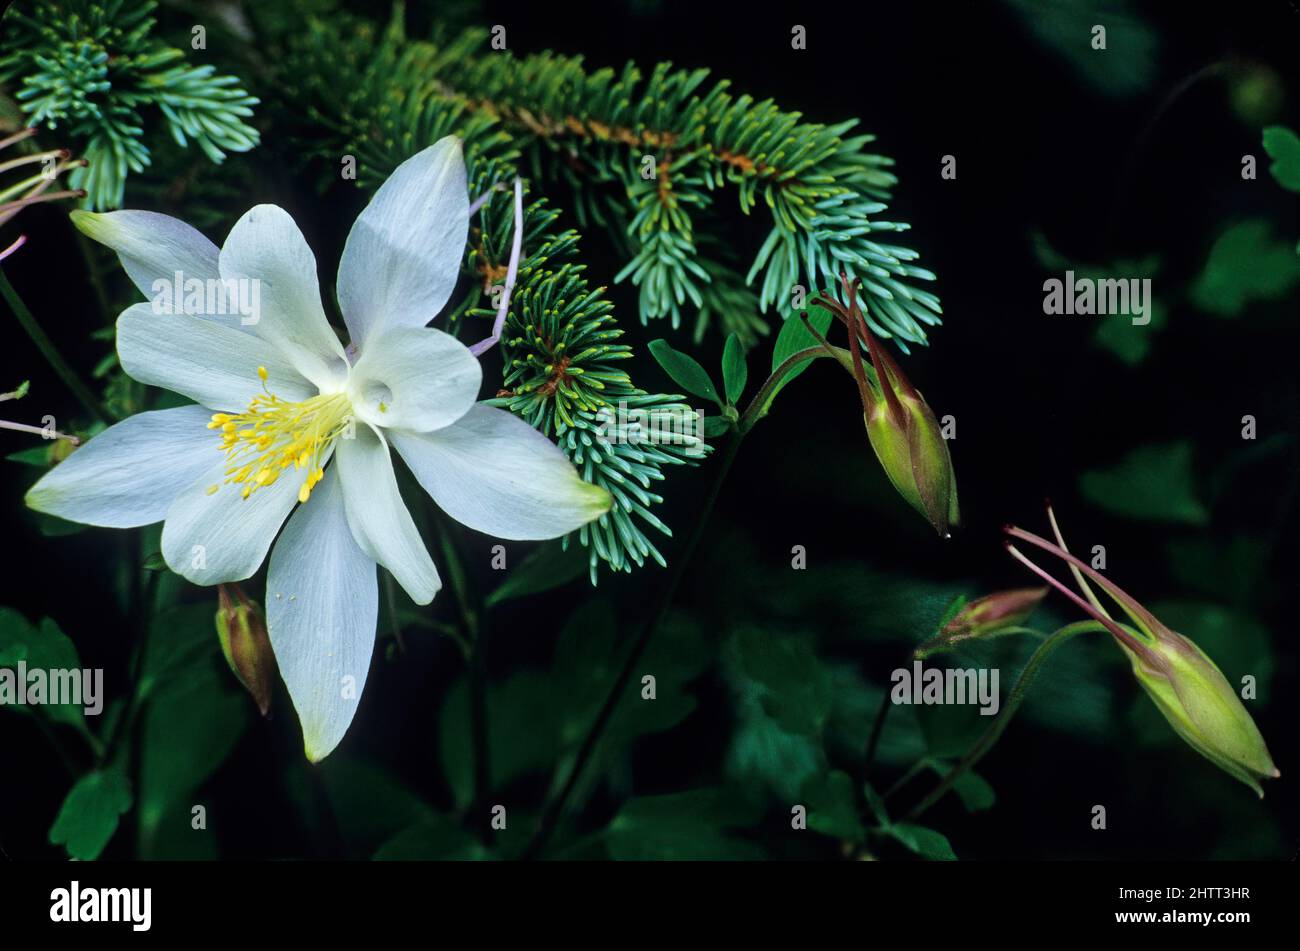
point(994, 732)
point(48, 350)
point(913, 771)
point(762, 401)
point(390, 602)
point(554, 808)
point(57, 744)
point(877, 728)
point(143, 595)
point(479, 724)
point(475, 636)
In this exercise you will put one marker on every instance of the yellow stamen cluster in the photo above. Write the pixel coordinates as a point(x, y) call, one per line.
point(274, 435)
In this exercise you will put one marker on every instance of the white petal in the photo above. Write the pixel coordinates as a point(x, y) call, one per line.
point(153, 248)
point(219, 537)
point(495, 473)
point(403, 254)
point(378, 517)
point(128, 475)
point(414, 378)
point(322, 602)
point(209, 363)
point(266, 249)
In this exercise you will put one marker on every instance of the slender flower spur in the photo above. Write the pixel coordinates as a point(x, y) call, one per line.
point(1183, 683)
point(290, 425)
point(901, 427)
point(32, 189)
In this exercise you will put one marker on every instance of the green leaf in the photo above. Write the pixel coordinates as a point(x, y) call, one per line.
point(589, 655)
point(832, 809)
point(438, 839)
point(876, 803)
point(794, 336)
point(181, 639)
point(684, 370)
point(370, 804)
point(764, 755)
point(1129, 342)
point(37, 456)
point(973, 789)
point(715, 426)
point(1246, 264)
point(90, 814)
point(951, 729)
point(734, 370)
point(46, 648)
point(549, 566)
point(1150, 484)
point(924, 841)
point(793, 686)
point(51, 526)
point(190, 727)
point(1132, 56)
point(687, 826)
point(523, 731)
point(1283, 146)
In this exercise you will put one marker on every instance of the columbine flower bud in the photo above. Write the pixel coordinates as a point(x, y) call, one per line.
point(995, 612)
point(999, 613)
point(901, 426)
point(1185, 685)
point(242, 632)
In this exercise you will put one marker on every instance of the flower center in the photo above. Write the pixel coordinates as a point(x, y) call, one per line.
point(263, 442)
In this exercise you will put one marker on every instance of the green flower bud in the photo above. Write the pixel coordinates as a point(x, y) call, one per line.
point(901, 427)
point(245, 644)
point(1181, 680)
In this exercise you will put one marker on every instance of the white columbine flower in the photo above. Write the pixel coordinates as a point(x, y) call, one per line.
point(286, 416)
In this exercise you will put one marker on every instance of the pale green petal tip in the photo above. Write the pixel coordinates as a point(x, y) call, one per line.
point(93, 225)
point(43, 498)
point(38, 499)
point(316, 747)
point(597, 500)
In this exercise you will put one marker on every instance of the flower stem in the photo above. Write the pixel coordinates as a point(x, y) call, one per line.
point(474, 638)
point(554, 808)
point(877, 728)
point(762, 401)
point(47, 349)
point(479, 724)
point(144, 589)
point(994, 732)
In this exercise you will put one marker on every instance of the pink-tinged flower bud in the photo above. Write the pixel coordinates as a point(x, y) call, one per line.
point(244, 641)
point(901, 427)
point(993, 614)
point(1183, 683)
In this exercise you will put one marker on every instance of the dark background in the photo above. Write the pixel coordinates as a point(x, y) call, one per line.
point(1039, 148)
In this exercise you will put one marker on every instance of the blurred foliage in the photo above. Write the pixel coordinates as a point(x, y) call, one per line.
point(1125, 65)
point(1152, 483)
point(1247, 263)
